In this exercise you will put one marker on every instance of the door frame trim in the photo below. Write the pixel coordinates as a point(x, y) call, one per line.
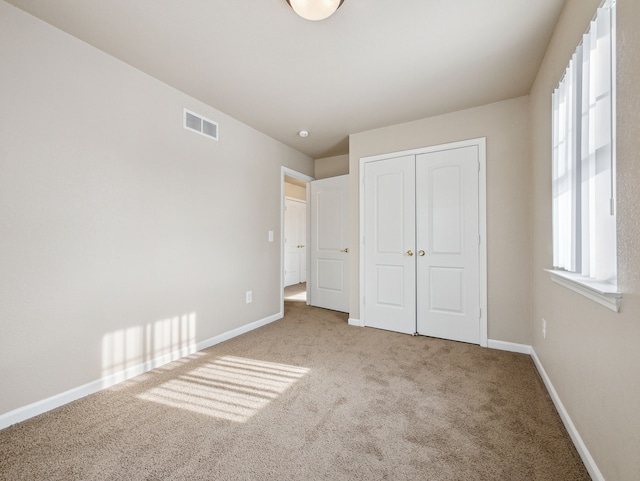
point(286, 171)
point(481, 143)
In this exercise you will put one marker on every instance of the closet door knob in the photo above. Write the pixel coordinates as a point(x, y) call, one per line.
point(410, 253)
point(420, 252)
point(346, 250)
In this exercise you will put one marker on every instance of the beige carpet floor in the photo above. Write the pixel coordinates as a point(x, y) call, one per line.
point(308, 398)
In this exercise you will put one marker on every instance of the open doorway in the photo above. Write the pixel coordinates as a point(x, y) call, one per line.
point(296, 293)
point(294, 235)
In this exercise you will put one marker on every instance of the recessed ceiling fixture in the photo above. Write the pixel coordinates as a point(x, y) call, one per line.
point(315, 9)
point(303, 133)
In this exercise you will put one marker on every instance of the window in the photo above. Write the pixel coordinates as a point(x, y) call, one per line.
point(583, 175)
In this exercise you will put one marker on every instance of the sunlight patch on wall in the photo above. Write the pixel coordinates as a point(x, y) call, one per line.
point(131, 351)
point(229, 388)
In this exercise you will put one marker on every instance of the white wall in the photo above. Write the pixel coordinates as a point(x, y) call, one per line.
point(506, 127)
point(592, 354)
point(122, 235)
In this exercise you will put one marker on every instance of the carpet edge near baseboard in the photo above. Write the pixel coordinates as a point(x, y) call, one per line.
point(39, 407)
point(579, 444)
point(31, 410)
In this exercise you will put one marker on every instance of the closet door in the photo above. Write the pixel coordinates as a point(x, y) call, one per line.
point(447, 228)
point(389, 244)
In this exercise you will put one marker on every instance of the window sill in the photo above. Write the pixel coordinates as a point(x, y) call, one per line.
point(600, 292)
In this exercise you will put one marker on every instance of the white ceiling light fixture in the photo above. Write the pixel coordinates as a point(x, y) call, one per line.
point(303, 133)
point(315, 9)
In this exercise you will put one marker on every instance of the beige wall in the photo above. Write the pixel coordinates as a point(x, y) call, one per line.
point(295, 191)
point(332, 166)
point(506, 127)
point(591, 354)
point(117, 225)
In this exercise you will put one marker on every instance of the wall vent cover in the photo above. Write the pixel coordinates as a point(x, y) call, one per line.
point(197, 123)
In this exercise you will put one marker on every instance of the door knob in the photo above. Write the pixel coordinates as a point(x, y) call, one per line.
point(410, 253)
point(346, 250)
point(420, 252)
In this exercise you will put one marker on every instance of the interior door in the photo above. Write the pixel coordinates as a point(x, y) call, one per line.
point(295, 261)
point(389, 244)
point(329, 279)
point(447, 225)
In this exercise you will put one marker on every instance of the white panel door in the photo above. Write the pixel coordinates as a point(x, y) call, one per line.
point(295, 231)
point(329, 279)
point(447, 228)
point(389, 244)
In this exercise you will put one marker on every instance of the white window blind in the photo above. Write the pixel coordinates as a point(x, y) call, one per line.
point(583, 175)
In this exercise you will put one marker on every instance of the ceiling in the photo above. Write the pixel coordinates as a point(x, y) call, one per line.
point(373, 63)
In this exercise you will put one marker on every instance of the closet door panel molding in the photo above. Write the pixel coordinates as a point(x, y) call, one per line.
point(423, 241)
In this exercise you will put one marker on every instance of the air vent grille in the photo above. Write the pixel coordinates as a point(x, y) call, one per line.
point(209, 128)
point(197, 123)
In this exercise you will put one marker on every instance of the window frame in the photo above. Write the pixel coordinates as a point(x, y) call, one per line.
point(568, 238)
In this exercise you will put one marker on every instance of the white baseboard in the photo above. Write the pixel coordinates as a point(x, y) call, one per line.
point(39, 407)
point(584, 453)
point(355, 322)
point(586, 457)
point(238, 331)
point(509, 346)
